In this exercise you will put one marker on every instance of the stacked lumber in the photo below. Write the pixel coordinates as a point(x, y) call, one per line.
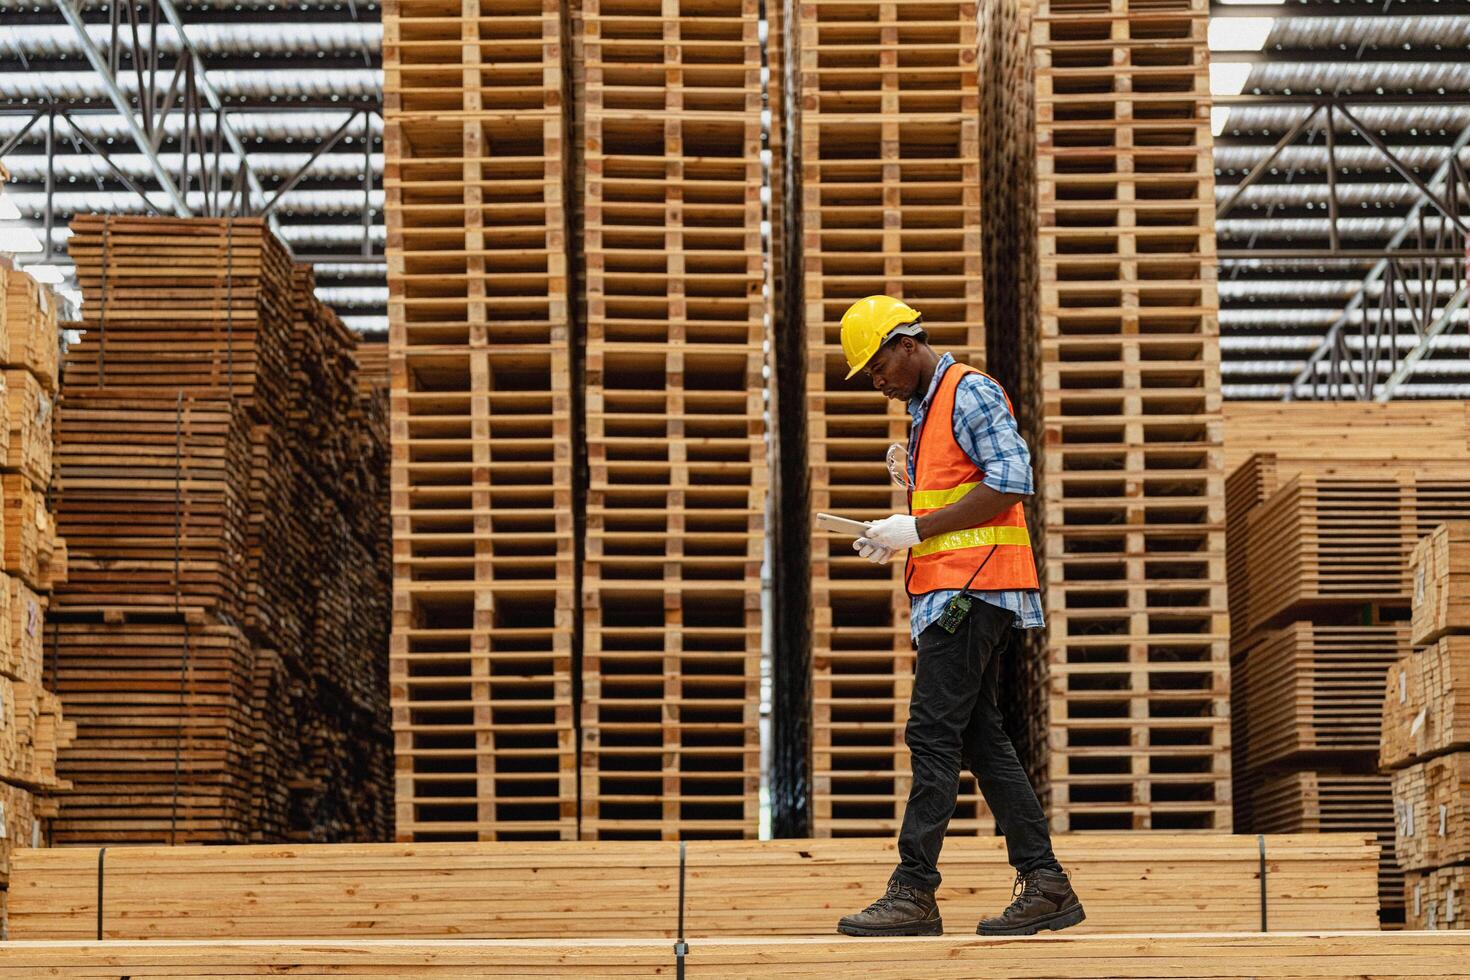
point(1426, 742)
point(676, 498)
point(890, 195)
point(1155, 883)
point(221, 643)
point(1321, 431)
point(1136, 693)
point(32, 727)
point(1228, 956)
point(1321, 586)
point(484, 573)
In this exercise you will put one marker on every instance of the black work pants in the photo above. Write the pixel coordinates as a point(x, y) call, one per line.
point(954, 718)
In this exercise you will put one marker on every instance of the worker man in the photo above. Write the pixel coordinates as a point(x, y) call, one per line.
point(972, 580)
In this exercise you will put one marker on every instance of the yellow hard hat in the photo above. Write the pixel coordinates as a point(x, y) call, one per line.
point(867, 324)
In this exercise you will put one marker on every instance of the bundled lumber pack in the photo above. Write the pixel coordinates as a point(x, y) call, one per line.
point(32, 726)
point(1426, 732)
point(1154, 883)
point(1321, 564)
point(222, 467)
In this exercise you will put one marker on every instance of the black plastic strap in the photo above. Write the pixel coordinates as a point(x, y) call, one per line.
point(681, 948)
point(101, 863)
point(1261, 843)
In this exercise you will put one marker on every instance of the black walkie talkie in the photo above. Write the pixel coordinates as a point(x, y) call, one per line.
point(957, 608)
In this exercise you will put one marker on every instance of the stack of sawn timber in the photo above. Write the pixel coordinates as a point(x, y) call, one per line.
point(221, 645)
point(1320, 592)
point(1426, 734)
point(32, 729)
point(1134, 883)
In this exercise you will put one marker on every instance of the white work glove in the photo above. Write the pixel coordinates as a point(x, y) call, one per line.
point(894, 533)
point(876, 554)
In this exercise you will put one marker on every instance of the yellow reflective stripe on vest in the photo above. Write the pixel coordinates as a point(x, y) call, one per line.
point(973, 537)
point(935, 499)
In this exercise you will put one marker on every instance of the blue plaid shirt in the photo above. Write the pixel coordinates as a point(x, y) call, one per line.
point(986, 431)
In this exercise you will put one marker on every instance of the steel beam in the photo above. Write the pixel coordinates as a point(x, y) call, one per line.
point(98, 61)
point(1435, 329)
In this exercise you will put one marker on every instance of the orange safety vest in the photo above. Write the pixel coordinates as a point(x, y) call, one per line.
point(943, 474)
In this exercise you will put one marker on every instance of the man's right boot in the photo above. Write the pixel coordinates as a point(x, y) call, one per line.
point(902, 911)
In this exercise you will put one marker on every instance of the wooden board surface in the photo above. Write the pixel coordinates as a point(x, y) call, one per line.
point(1440, 567)
point(800, 887)
point(1326, 430)
point(1222, 957)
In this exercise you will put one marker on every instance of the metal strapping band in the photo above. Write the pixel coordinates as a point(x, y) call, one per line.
point(681, 948)
point(974, 537)
point(1261, 843)
point(101, 863)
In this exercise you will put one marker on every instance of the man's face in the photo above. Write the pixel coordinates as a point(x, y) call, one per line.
point(894, 370)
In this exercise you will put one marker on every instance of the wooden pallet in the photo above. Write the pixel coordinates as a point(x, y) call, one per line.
point(1161, 883)
point(1134, 495)
point(676, 499)
point(1422, 711)
point(484, 567)
point(887, 192)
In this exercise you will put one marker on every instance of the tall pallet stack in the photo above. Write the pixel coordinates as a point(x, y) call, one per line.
point(1136, 679)
point(484, 562)
point(1426, 735)
point(886, 129)
point(221, 643)
point(675, 437)
point(32, 726)
point(1320, 556)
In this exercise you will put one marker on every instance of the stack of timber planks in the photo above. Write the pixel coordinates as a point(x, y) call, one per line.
point(676, 497)
point(33, 728)
point(221, 643)
point(1426, 734)
point(1320, 588)
point(1139, 883)
point(1135, 686)
point(885, 125)
point(484, 566)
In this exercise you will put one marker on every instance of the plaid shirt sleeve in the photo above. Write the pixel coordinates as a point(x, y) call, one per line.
point(986, 431)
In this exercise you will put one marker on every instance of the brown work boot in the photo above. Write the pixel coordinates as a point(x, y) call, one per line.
point(1043, 899)
point(902, 911)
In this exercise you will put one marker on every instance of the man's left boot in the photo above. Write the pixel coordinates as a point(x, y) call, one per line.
point(1043, 899)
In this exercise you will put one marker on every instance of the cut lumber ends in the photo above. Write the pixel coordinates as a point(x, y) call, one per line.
point(1435, 899)
point(1430, 803)
point(1440, 567)
point(1422, 711)
point(29, 338)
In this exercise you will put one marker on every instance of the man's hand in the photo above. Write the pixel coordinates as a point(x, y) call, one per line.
point(877, 554)
point(895, 533)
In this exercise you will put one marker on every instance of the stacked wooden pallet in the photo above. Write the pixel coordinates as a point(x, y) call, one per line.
point(221, 644)
point(1153, 883)
point(482, 405)
point(890, 202)
point(1426, 739)
point(675, 439)
point(1320, 587)
point(1135, 560)
point(32, 728)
